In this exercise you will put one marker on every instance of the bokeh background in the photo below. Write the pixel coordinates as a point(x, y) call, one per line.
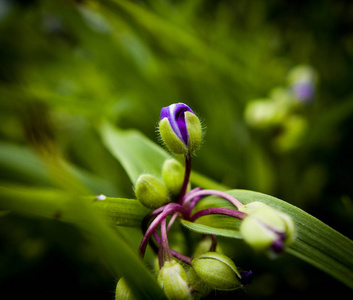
point(270, 80)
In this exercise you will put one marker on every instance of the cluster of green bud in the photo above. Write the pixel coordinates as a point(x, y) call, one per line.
point(154, 193)
point(265, 228)
point(209, 271)
point(262, 227)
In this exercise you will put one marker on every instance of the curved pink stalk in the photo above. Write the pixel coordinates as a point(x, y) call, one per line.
point(168, 209)
point(192, 194)
point(219, 211)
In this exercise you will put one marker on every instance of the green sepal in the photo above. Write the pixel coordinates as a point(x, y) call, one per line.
point(170, 139)
point(194, 128)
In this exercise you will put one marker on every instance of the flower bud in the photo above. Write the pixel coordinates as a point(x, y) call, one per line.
point(217, 271)
point(264, 113)
point(200, 288)
point(173, 176)
point(265, 228)
point(151, 192)
point(180, 129)
point(123, 291)
point(174, 282)
point(302, 80)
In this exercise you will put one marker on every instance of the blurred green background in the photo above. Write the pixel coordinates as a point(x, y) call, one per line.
point(66, 65)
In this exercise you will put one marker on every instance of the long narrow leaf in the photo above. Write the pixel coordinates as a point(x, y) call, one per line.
point(136, 153)
point(315, 243)
point(83, 213)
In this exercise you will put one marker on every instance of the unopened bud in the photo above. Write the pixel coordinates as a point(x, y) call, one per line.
point(266, 228)
point(173, 176)
point(174, 282)
point(123, 291)
point(151, 192)
point(180, 129)
point(218, 271)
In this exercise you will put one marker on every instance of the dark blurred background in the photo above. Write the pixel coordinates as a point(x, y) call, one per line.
point(270, 80)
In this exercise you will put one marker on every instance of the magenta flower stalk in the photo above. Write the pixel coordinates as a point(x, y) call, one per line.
point(170, 208)
point(200, 193)
point(164, 250)
point(172, 220)
point(219, 211)
point(174, 253)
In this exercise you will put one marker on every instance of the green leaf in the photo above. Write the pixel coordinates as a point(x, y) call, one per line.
point(205, 229)
point(137, 154)
point(315, 243)
point(22, 164)
point(86, 213)
point(122, 212)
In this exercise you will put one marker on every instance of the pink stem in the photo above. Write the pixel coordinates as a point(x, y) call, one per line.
point(176, 254)
point(219, 211)
point(168, 209)
point(172, 220)
point(190, 196)
point(164, 250)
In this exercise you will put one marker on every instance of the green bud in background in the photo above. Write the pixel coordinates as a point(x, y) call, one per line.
point(174, 282)
point(180, 129)
point(123, 291)
point(264, 113)
point(151, 192)
point(293, 131)
point(265, 228)
point(173, 176)
point(217, 270)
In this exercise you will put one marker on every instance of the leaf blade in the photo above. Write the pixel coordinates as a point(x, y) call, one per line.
point(136, 153)
point(80, 211)
point(316, 242)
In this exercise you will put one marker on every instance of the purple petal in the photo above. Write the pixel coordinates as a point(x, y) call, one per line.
point(304, 90)
point(246, 277)
point(175, 113)
point(277, 246)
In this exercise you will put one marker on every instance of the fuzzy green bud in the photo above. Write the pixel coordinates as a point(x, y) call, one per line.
point(123, 291)
point(266, 228)
point(217, 270)
point(173, 176)
point(174, 282)
point(151, 192)
point(180, 129)
point(200, 289)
